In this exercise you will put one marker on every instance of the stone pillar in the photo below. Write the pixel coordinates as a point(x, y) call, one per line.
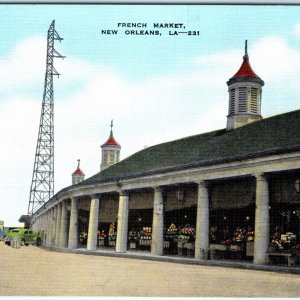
point(51, 226)
point(44, 220)
point(262, 220)
point(57, 227)
point(93, 224)
point(122, 231)
point(46, 227)
point(38, 227)
point(54, 225)
point(48, 237)
point(157, 246)
point(202, 226)
point(63, 225)
point(34, 224)
point(73, 230)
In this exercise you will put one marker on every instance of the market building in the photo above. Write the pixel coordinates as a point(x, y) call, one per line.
point(232, 193)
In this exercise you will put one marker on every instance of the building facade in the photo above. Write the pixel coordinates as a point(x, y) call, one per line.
point(231, 193)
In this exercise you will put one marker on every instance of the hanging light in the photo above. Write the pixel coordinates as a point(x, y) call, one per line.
point(180, 196)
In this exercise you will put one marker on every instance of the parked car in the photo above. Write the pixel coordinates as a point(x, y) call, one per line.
point(24, 235)
point(2, 235)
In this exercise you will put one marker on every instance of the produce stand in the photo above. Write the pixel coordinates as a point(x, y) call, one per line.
point(185, 241)
point(225, 251)
point(133, 237)
point(283, 248)
point(289, 256)
point(250, 248)
point(146, 237)
point(112, 235)
point(101, 238)
point(170, 240)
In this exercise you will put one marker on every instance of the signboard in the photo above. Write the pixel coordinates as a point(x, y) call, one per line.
point(159, 209)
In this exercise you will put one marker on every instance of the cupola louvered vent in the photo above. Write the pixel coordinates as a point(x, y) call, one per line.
point(232, 101)
point(254, 100)
point(242, 99)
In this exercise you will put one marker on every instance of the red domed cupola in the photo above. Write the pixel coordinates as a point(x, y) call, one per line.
point(245, 72)
point(77, 175)
point(78, 172)
point(245, 89)
point(110, 151)
point(111, 141)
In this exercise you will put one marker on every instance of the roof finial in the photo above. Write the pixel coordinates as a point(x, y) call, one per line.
point(78, 160)
point(111, 126)
point(246, 49)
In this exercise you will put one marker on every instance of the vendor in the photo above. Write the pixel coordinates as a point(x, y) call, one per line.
point(276, 240)
point(250, 234)
point(215, 235)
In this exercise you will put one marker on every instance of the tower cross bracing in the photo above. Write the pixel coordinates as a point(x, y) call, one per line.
point(42, 184)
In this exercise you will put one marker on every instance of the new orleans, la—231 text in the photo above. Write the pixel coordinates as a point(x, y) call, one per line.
point(153, 29)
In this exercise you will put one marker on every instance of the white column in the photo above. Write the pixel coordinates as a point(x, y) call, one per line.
point(93, 224)
point(73, 229)
point(157, 245)
point(262, 220)
point(63, 225)
point(122, 232)
point(49, 216)
point(47, 228)
point(57, 227)
point(44, 228)
point(202, 226)
point(39, 223)
point(54, 225)
point(34, 224)
point(51, 226)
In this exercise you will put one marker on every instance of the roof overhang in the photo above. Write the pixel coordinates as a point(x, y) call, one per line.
point(25, 219)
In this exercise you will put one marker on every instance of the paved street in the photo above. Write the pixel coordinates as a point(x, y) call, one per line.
point(32, 271)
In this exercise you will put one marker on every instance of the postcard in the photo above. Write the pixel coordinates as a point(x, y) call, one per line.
point(162, 132)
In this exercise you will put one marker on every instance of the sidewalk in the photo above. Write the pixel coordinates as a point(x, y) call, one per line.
point(146, 255)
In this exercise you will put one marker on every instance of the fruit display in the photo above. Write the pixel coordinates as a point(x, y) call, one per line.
point(250, 234)
point(172, 230)
point(133, 235)
point(101, 237)
point(146, 236)
point(239, 235)
point(112, 235)
point(187, 232)
point(147, 233)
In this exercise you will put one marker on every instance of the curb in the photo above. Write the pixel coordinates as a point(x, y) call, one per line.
point(179, 260)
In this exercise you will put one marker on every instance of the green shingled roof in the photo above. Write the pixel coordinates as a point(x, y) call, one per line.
point(278, 134)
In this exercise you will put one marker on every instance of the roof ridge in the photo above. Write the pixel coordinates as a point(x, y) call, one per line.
point(269, 136)
point(263, 120)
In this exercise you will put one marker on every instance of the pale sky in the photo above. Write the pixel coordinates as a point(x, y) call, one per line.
point(155, 88)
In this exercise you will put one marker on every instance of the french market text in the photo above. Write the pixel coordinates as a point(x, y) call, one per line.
point(153, 29)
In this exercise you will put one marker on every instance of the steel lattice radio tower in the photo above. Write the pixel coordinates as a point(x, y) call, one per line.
point(42, 185)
